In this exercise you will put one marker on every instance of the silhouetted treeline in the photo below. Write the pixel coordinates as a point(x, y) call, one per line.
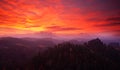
point(93, 55)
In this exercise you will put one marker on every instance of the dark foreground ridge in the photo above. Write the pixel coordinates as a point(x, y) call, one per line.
point(17, 54)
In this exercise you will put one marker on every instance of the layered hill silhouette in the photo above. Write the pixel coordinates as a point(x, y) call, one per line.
point(18, 51)
point(44, 54)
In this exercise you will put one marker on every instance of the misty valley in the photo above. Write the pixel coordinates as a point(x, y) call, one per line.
point(53, 54)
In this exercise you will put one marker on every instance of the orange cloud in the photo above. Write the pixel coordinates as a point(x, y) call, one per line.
point(56, 16)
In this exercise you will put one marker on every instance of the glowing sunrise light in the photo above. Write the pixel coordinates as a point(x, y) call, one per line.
point(63, 17)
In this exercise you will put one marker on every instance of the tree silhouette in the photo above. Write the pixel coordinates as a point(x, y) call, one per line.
point(67, 56)
point(92, 55)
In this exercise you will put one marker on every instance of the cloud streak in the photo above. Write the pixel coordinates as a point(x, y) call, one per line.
point(110, 24)
point(59, 28)
point(113, 19)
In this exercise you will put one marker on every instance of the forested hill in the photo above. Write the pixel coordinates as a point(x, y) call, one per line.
point(21, 54)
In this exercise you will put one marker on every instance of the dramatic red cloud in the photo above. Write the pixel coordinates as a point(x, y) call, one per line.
point(60, 17)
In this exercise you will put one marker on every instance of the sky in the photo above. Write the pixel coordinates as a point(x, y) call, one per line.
point(66, 18)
